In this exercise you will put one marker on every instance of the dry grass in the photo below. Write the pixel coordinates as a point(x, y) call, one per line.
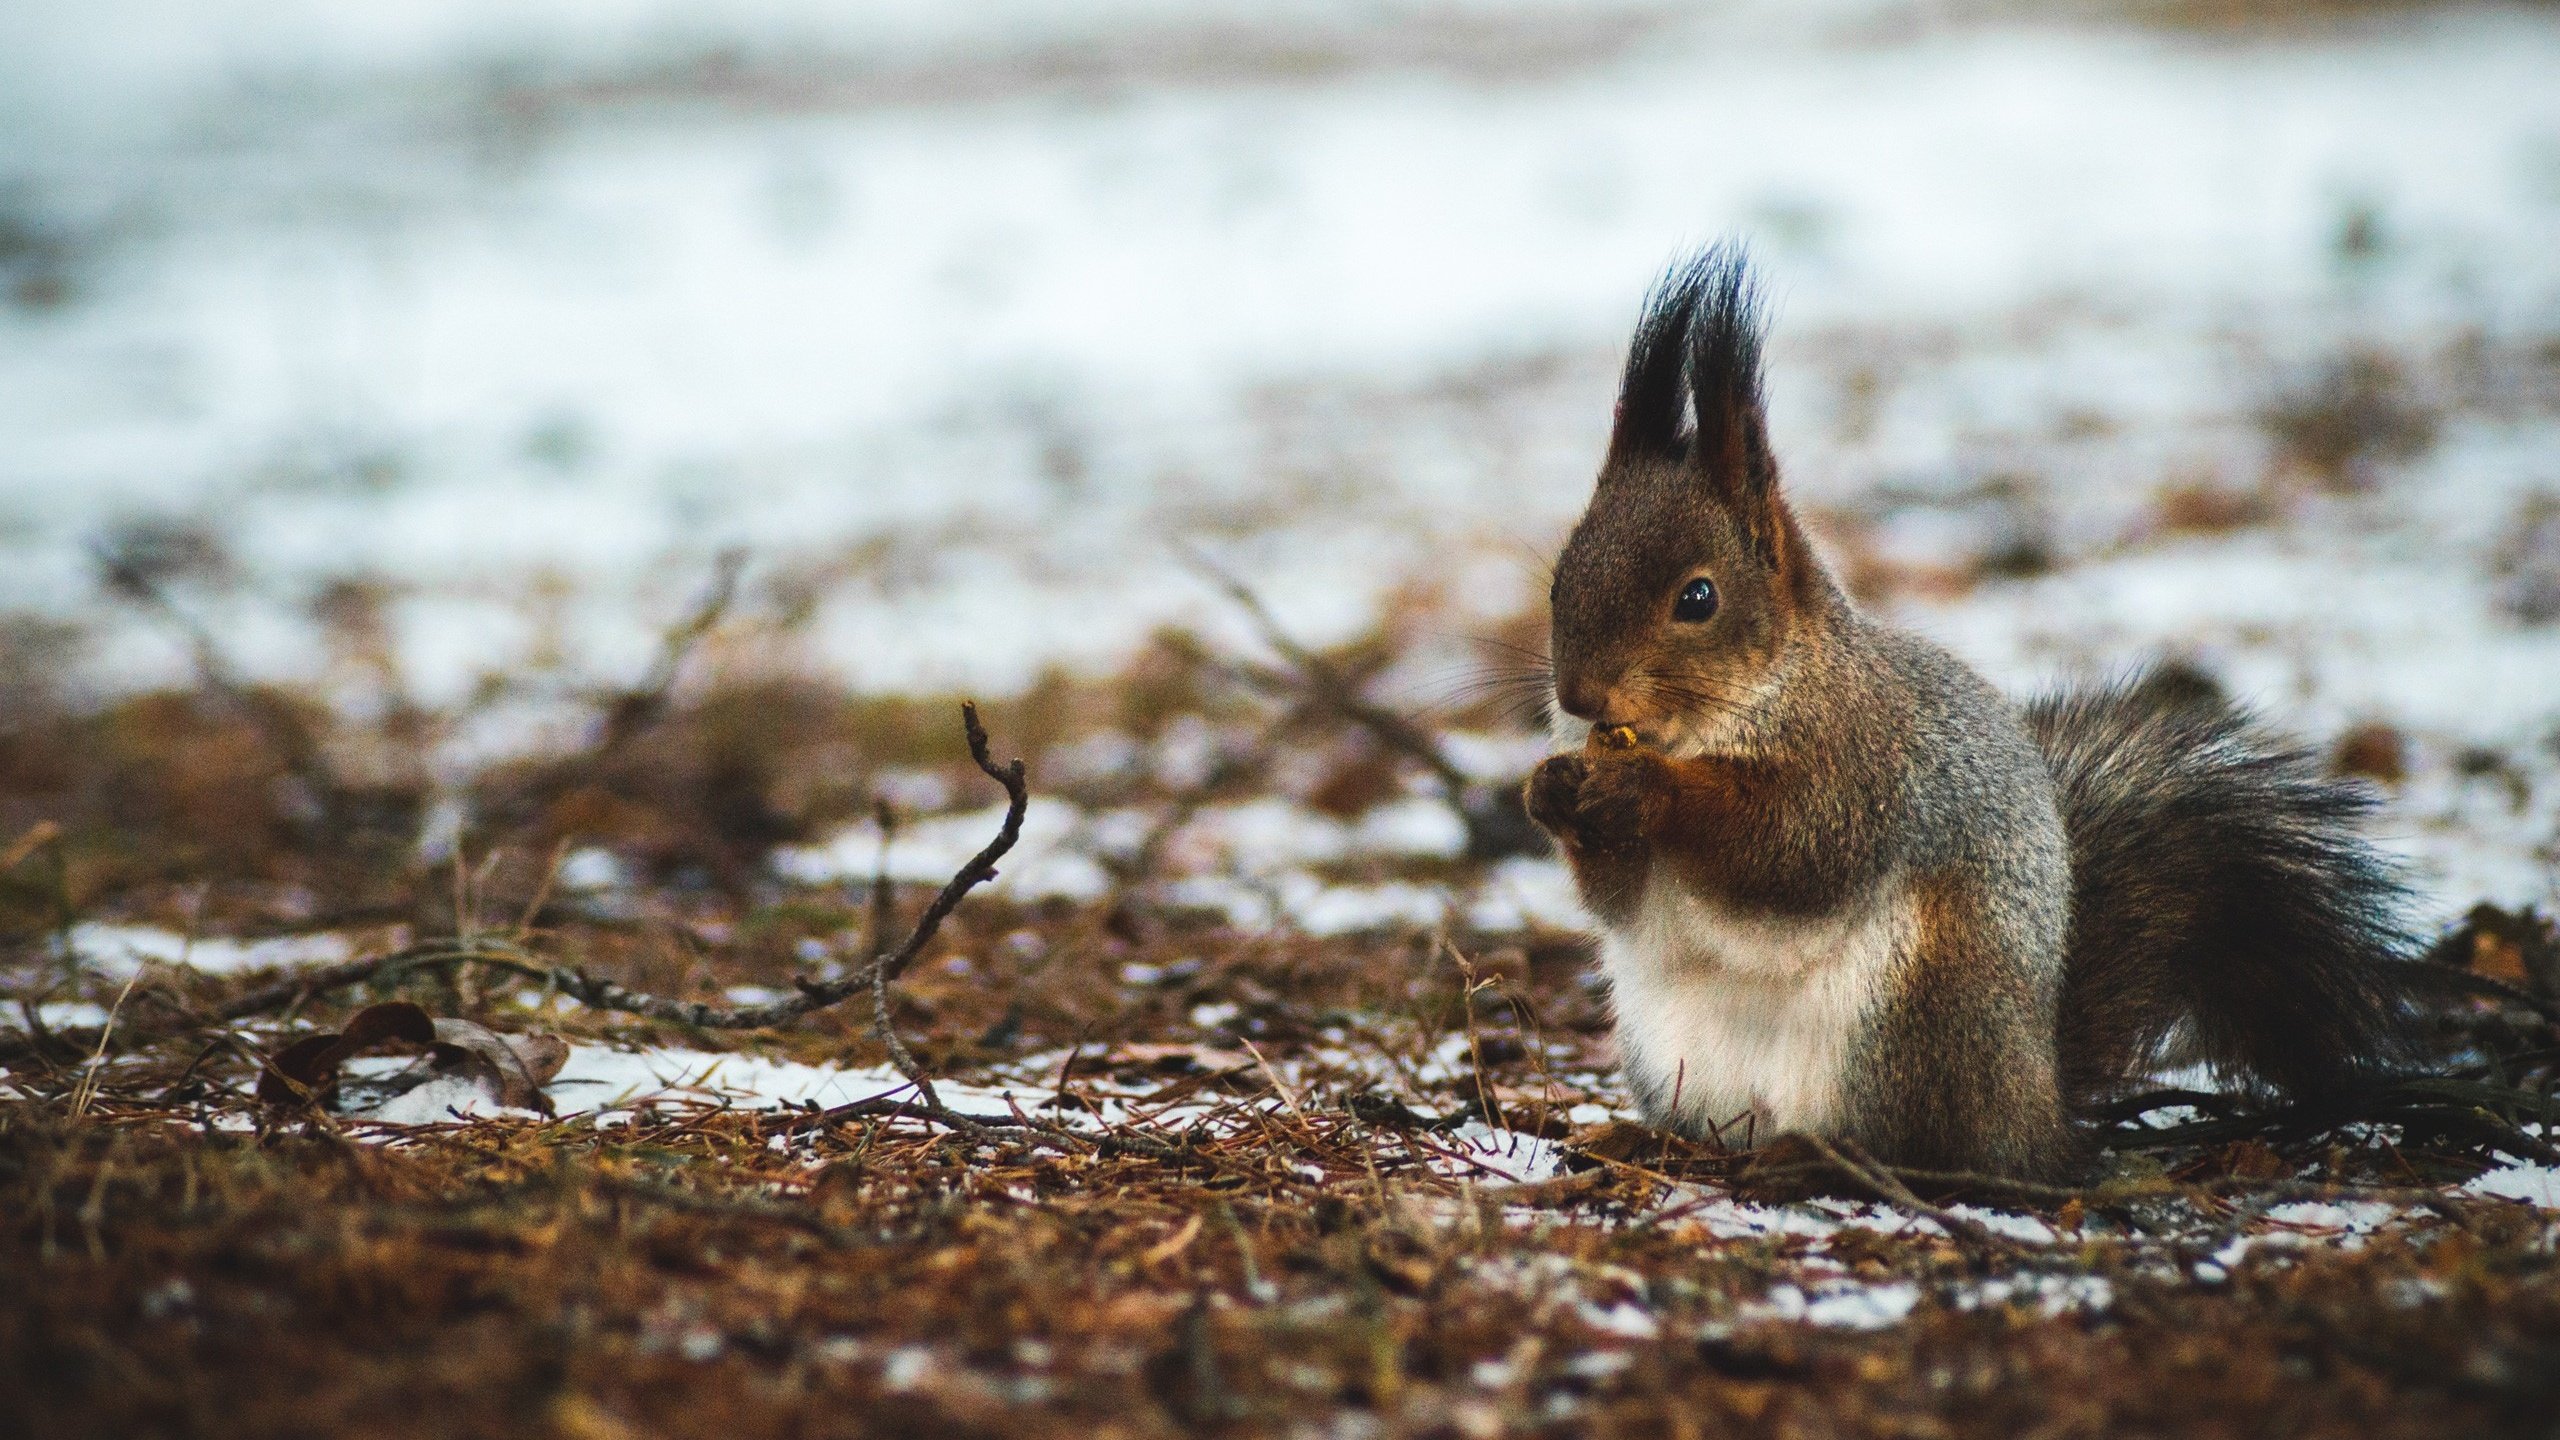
point(1288, 1259)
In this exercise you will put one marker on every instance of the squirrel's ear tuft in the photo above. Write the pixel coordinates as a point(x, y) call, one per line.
point(1732, 446)
point(1701, 335)
point(1653, 420)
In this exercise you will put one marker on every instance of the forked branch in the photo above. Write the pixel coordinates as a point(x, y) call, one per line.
point(603, 994)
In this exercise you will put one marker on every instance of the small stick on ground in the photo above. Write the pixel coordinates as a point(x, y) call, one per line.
point(290, 740)
point(605, 994)
point(1890, 1189)
point(1329, 686)
point(1491, 830)
point(881, 971)
point(636, 709)
point(38, 835)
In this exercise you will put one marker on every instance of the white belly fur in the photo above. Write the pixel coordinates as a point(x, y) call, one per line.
point(1750, 1019)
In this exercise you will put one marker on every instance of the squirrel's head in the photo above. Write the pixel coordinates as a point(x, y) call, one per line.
point(1676, 596)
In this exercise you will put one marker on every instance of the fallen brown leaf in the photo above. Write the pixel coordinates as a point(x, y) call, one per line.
point(308, 1068)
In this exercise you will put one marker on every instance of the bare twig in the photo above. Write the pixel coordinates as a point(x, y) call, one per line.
point(1287, 1096)
point(39, 835)
point(289, 739)
point(1854, 1162)
point(818, 995)
point(636, 709)
point(982, 866)
point(1493, 830)
point(1326, 683)
point(886, 1030)
point(87, 1088)
point(602, 994)
point(815, 995)
point(884, 895)
point(1225, 772)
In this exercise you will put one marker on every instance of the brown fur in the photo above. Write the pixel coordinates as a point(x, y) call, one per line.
point(1961, 1075)
point(1797, 771)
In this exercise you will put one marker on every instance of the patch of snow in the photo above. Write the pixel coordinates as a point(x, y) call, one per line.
point(1119, 833)
point(117, 951)
point(1836, 1304)
point(57, 1015)
point(1045, 862)
point(1479, 1150)
point(439, 1101)
point(1598, 1364)
point(1419, 825)
point(597, 1079)
point(1728, 1218)
point(1524, 892)
point(2050, 1295)
point(1259, 837)
point(1321, 909)
point(2520, 1180)
point(1245, 906)
point(2005, 1223)
point(1451, 1057)
point(2408, 1292)
point(906, 1368)
point(591, 868)
point(1847, 1303)
point(2322, 1218)
point(606, 1082)
point(1626, 1320)
point(2298, 1224)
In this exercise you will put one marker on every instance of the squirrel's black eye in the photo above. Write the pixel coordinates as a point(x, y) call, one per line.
point(1697, 601)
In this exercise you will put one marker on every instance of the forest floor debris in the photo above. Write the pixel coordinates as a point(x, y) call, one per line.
point(1115, 1161)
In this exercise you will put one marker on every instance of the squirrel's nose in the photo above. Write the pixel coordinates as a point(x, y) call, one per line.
point(1584, 698)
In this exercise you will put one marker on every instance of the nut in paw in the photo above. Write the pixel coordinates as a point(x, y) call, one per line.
point(1612, 738)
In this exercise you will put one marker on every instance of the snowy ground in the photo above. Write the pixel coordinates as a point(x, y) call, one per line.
point(966, 321)
point(1825, 1285)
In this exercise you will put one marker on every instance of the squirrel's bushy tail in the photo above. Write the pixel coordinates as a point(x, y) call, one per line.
point(2224, 909)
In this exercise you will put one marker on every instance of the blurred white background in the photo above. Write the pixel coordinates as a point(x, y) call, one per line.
point(959, 317)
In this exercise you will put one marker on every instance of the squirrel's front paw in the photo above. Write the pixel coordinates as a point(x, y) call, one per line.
point(1594, 801)
point(1618, 791)
point(1552, 788)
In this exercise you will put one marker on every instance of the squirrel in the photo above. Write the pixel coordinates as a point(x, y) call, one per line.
point(1847, 890)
